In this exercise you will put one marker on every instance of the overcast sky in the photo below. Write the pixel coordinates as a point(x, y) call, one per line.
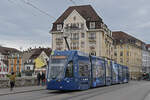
point(24, 26)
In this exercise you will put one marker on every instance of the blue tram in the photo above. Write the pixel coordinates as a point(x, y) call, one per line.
point(75, 70)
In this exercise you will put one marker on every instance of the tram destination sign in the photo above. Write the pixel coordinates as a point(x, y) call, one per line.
point(59, 57)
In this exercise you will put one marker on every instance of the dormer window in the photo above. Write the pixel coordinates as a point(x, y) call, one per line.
point(59, 27)
point(92, 25)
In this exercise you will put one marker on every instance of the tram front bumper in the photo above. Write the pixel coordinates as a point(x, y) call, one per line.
point(62, 85)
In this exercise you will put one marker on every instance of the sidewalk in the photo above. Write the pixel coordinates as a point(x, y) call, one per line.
point(21, 90)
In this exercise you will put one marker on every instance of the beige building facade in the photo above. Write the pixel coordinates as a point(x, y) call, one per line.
point(85, 31)
point(128, 51)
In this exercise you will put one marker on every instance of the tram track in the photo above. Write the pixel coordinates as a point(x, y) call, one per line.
point(34, 95)
point(69, 95)
point(49, 95)
point(85, 94)
point(97, 91)
point(77, 94)
point(100, 93)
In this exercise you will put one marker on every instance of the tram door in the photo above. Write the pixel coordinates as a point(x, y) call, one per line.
point(108, 72)
point(84, 74)
point(120, 73)
point(69, 70)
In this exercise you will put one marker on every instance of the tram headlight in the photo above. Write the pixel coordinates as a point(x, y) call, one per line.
point(48, 80)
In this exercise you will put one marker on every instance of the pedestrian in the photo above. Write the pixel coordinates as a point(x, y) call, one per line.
point(43, 78)
point(38, 78)
point(12, 81)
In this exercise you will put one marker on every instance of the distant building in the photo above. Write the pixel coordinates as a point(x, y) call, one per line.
point(3, 65)
point(148, 47)
point(128, 51)
point(30, 65)
point(4, 62)
point(146, 58)
point(15, 62)
point(27, 64)
point(85, 31)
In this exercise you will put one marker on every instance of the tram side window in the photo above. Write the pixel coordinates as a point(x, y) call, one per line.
point(69, 70)
point(100, 70)
point(120, 70)
point(114, 71)
point(83, 69)
point(107, 70)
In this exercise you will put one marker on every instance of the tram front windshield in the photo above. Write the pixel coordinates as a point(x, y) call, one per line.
point(57, 67)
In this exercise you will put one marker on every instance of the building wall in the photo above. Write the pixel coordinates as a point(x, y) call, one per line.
point(3, 66)
point(131, 56)
point(15, 63)
point(146, 61)
point(107, 49)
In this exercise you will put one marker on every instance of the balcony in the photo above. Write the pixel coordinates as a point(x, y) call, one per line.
point(59, 42)
point(73, 27)
point(92, 47)
point(59, 39)
point(92, 39)
point(75, 48)
point(74, 38)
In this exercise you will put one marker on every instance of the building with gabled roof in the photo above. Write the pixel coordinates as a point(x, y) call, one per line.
point(30, 64)
point(128, 51)
point(7, 50)
point(86, 11)
point(85, 31)
point(4, 62)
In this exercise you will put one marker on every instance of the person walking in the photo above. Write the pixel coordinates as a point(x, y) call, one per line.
point(38, 78)
point(43, 78)
point(12, 81)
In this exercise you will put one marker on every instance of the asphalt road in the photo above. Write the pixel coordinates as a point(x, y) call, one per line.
point(134, 90)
